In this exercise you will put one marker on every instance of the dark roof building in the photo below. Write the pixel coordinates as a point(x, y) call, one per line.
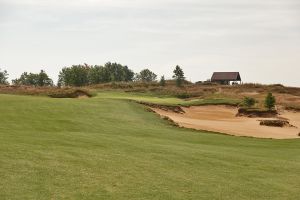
point(226, 77)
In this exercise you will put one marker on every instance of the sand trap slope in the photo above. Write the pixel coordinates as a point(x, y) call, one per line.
point(222, 119)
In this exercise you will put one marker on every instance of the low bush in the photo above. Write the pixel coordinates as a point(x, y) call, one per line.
point(275, 123)
point(270, 101)
point(249, 102)
point(70, 93)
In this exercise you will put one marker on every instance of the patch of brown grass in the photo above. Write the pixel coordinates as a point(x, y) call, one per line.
point(275, 123)
point(288, 97)
point(70, 93)
point(54, 92)
point(285, 96)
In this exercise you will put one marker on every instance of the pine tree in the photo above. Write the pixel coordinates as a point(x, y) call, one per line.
point(162, 81)
point(178, 76)
point(270, 101)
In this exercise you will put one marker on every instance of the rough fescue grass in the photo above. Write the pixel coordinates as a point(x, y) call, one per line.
point(167, 100)
point(55, 92)
point(112, 149)
point(71, 93)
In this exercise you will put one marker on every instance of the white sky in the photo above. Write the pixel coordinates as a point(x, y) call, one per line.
point(260, 39)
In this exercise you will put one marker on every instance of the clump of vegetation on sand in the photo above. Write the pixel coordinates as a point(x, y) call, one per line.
point(248, 110)
point(275, 123)
point(249, 102)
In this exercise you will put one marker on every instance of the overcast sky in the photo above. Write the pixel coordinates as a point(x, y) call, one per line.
point(259, 38)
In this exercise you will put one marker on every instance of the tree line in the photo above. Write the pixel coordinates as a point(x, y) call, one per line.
point(84, 75)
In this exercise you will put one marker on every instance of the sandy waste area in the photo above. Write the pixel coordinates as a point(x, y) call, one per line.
point(223, 119)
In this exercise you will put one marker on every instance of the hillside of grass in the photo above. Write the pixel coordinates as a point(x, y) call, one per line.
point(166, 99)
point(110, 148)
point(188, 95)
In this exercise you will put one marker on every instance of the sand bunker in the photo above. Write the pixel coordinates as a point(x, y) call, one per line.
point(223, 119)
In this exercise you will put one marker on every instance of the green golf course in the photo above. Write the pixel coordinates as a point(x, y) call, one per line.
point(108, 147)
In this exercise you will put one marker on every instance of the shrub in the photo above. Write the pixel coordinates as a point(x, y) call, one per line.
point(162, 81)
point(274, 123)
point(270, 101)
point(249, 102)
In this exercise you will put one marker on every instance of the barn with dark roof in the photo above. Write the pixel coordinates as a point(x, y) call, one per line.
point(226, 78)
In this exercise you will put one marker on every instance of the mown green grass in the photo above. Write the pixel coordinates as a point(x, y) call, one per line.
point(166, 100)
point(104, 148)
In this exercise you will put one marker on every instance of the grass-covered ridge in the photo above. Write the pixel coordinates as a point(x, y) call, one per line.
point(166, 99)
point(110, 148)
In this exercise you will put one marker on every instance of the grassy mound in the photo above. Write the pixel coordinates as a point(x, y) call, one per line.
point(176, 109)
point(70, 93)
point(53, 92)
point(166, 100)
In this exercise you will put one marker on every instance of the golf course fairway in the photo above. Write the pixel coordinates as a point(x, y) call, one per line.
point(105, 148)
